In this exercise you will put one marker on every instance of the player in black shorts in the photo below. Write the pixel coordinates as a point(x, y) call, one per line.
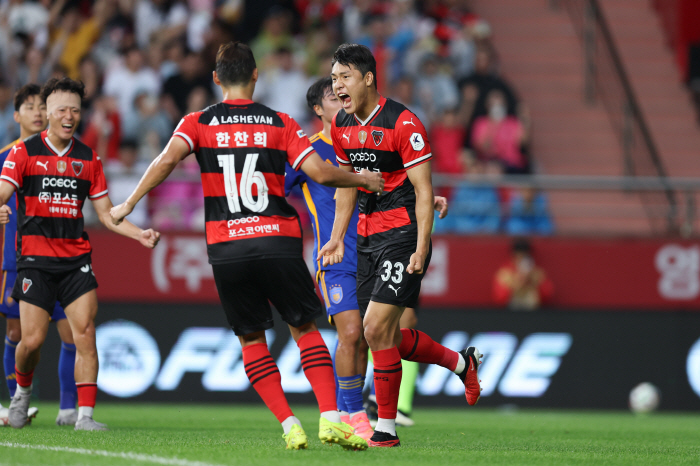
point(53, 174)
point(393, 232)
point(254, 236)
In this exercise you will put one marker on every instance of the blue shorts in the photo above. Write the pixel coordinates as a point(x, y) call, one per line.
point(10, 308)
point(339, 289)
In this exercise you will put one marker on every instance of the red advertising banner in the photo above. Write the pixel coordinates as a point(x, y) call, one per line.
point(616, 274)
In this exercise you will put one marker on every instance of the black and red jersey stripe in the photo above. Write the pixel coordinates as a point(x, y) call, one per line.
point(51, 189)
point(242, 148)
point(391, 140)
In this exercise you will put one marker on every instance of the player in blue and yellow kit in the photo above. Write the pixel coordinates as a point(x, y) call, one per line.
point(338, 283)
point(30, 113)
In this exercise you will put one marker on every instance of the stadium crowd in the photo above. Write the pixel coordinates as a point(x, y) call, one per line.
point(147, 63)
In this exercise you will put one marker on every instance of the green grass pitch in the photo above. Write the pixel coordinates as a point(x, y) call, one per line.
point(202, 435)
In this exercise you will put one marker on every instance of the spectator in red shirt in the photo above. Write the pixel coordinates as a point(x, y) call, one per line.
point(521, 284)
point(446, 137)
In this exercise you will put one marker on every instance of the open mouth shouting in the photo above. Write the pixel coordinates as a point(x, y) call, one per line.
point(345, 100)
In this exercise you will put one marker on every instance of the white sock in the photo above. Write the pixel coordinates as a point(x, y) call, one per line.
point(24, 390)
point(65, 412)
point(461, 364)
point(352, 415)
point(331, 416)
point(289, 422)
point(343, 413)
point(386, 425)
point(85, 411)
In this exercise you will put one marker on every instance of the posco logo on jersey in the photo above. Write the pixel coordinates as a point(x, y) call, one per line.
point(363, 157)
point(59, 182)
point(238, 221)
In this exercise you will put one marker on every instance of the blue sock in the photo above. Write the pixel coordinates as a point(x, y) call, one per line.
point(371, 388)
point(66, 376)
point(8, 360)
point(338, 394)
point(351, 388)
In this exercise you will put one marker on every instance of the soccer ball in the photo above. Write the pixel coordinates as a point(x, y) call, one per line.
point(644, 398)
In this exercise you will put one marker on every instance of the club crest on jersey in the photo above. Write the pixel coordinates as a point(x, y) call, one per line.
point(26, 283)
point(336, 293)
point(77, 167)
point(377, 136)
point(362, 136)
point(61, 165)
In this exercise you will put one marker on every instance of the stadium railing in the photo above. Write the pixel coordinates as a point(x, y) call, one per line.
point(598, 205)
point(606, 80)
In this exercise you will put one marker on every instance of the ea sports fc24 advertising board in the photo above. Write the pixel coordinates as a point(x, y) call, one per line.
point(563, 359)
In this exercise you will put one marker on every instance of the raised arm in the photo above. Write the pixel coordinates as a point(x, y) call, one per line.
point(422, 182)
point(149, 238)
point(176, 150)
point(330, 175)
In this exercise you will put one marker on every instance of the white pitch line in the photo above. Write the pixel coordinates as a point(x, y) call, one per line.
point(111, 454)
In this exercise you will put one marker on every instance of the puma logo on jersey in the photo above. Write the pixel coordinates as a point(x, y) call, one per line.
point(396, 290)
point(85, 268)
point(346, 137)
point(409, 122)
point(45, 165)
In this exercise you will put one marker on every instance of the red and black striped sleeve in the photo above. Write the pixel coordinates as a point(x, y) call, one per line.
point(14, 166)
point(340, 155)
point(187, 130)
point(412, 141)
point(98, 183)
point(297, 144)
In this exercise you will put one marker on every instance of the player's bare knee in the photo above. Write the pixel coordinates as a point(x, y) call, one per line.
point(14, 330)
point(32, 342)
point(252, 338)
point(350, 336)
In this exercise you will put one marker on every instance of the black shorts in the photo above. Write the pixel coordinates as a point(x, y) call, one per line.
point(245, 288)
point(382, 276)
point(43, 288)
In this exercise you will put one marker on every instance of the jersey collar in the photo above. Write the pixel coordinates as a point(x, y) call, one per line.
point(45, 137)
point(379, 106)
point(324, 138)
point(238, 102)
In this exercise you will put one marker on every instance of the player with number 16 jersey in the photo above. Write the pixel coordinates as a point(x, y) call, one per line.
point(254, 236)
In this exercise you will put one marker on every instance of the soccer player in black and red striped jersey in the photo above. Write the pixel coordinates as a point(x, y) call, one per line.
point(254, 236)
point(373, 133)
point(53, 174)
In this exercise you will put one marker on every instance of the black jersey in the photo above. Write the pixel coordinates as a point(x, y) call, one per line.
point(242, 148)
point(390, 141)
point(51, 188)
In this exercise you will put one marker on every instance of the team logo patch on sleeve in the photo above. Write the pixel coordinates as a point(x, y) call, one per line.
point(336, 293)
point(8, 164)
point(77, 167)
point(377, 136)
point(26, 283)
point(300, 133)
point(417, 141)
point(362, 136)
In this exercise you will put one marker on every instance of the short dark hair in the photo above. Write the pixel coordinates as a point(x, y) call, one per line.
point(235, 64)
point(62, 85)
point(357, 55)
point(317, 91)
point(24, 93)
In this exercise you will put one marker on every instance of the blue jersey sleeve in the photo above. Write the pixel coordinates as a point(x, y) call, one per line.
point(292, 178)
point(9, 231)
